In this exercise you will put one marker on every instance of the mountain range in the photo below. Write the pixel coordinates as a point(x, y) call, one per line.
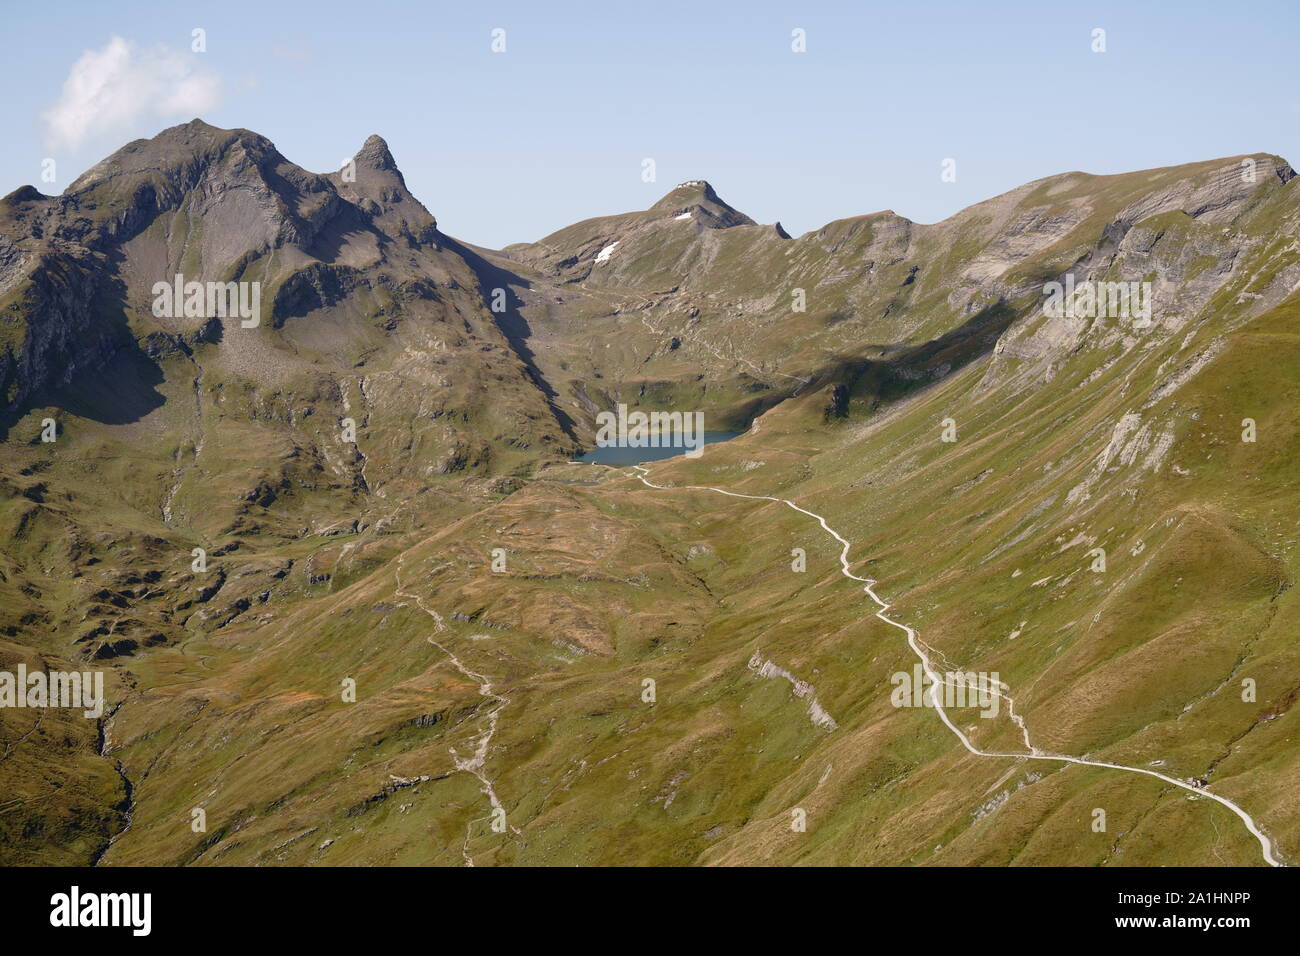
point(373, 487)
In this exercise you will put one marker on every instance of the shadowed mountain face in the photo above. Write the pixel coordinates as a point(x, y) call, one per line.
point(350, 600)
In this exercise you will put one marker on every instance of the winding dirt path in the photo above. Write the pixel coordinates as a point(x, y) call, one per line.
point(937, 679)
point(472, 765)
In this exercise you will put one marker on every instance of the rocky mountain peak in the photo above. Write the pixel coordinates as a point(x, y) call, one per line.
point(375, 154)
point(380, 189)
point(699, 194)
point(697, 190)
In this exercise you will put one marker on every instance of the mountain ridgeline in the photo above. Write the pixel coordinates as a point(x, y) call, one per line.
point(353, 600)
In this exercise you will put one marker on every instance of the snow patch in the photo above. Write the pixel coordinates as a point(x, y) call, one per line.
point(604, 254)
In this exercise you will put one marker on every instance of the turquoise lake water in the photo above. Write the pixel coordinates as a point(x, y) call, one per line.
point(636, 456)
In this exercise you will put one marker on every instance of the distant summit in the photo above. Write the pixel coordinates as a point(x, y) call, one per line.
point(699, 195)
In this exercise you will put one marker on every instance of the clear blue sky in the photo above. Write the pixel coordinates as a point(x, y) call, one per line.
point(508, 147)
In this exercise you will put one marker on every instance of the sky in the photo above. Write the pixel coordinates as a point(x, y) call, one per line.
point(508, 146)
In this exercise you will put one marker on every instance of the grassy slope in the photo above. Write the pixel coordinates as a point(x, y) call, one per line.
point(611, 583)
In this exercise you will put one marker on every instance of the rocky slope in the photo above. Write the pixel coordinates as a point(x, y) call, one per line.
point(735, 317)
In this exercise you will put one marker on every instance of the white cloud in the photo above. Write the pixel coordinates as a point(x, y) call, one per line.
point(108, 90)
